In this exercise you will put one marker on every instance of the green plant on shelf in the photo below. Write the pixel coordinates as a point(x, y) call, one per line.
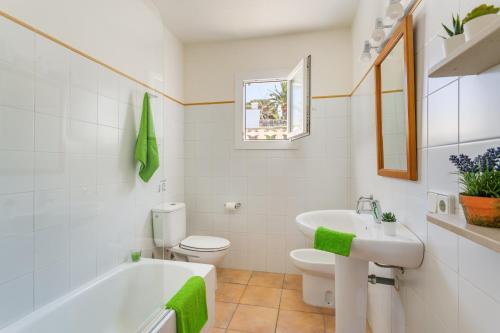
point(389, 217)
point(481, 11)
point(456, 29)
point(480, 177)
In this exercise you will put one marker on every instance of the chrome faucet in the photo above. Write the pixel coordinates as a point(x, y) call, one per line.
point(374, 207)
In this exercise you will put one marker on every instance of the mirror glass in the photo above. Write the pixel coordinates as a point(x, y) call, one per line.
point(393, 108)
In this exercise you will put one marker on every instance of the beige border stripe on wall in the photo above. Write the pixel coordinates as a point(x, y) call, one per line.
point(231, 102)
point(83, 54)
point(392, 91)
point(331, 96)
point(208, 103)
point(119, 72)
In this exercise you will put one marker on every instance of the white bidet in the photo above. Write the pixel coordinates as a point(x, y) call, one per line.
point(318, 276)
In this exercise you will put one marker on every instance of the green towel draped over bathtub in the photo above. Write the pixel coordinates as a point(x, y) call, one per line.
point(333, 241)
point(146, 149)
point(190, 306)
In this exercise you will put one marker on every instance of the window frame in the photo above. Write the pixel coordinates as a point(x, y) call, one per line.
point(239, 117)
point(305, 66)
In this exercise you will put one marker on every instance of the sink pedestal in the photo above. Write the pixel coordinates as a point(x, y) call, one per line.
point(351, 293)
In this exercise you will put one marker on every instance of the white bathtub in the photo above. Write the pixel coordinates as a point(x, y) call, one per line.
point(130, 298)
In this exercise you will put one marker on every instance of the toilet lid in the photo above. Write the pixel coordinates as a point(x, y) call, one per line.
point(204, 243)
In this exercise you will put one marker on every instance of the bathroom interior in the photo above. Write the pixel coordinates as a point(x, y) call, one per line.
point(265, 166)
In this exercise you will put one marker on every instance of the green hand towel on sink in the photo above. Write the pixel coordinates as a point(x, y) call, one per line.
point(333, 241)
point(190, 306)
point(146, 149)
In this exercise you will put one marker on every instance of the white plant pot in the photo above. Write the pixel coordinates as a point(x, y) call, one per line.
point(475, 26)
point(452, 43)
point(389, 228)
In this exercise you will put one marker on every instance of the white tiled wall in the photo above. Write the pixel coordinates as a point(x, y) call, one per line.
point(71, 206)
point(456, 289)
point(273, 185)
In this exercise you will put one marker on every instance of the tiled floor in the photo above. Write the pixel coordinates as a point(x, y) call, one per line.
point(257, 302)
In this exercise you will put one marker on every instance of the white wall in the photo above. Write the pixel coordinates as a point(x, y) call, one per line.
point(173, 66)
point(134, 27)
point(71, 204)
point(456, 290)
point(275, 185)
point(361, 30)
point(210, 67)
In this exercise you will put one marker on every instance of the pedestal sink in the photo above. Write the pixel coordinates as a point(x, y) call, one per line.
point(351, 273)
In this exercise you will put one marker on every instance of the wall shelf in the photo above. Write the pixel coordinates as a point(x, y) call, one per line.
point(474, 57)
point(487, 237)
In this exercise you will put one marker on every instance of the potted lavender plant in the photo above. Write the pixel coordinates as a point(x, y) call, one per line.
point(480, 179)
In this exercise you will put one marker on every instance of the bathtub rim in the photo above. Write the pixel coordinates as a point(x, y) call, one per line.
point(202, 270)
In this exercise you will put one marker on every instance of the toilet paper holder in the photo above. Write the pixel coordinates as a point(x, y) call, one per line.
point(232, 205)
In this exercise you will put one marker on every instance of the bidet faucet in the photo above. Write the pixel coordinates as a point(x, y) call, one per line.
point(375, 210)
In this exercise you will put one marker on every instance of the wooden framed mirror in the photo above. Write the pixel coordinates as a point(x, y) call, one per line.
point(395, 105)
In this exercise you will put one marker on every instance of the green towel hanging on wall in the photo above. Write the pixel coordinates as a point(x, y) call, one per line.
point(146, 149)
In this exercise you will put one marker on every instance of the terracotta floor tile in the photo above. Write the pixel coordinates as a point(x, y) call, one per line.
point(300, 322)
point(328, 311)
point(263, 279)
point(229, 292)
point(219, 284)
point(254, 319)
point(261, 296)
point(292, 300)
point(293, 281)
point(233, 275)
point(223, 314)
point(329, 324)
point(217, 330)
point(248, 302)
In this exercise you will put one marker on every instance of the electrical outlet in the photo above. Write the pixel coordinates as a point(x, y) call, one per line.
point(440, 203)
point(445, 204)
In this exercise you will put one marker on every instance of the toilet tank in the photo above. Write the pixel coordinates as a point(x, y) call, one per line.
point(169, 224)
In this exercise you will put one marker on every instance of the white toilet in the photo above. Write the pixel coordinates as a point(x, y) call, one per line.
point(318, 276)
point(169, 231)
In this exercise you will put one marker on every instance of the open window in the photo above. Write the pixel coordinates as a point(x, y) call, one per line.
point(273, 107)
point(299, 100)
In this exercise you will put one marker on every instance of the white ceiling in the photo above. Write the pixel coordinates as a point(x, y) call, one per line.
point(213, 20)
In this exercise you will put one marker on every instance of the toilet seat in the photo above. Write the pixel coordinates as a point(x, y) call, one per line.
point(204, 244)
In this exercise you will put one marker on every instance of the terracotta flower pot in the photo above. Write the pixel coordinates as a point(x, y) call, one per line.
point(481, 211)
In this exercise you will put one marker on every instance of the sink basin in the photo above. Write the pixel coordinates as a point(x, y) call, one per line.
point(351, 273)
point(370, 244)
